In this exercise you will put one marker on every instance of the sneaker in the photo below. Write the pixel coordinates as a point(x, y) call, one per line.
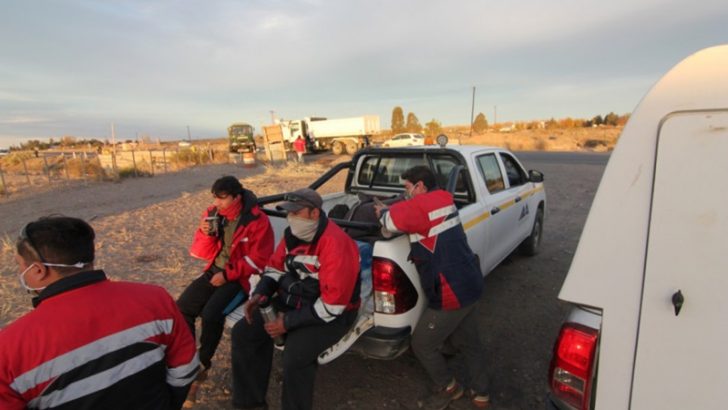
point(440, 399)
point(480, 401)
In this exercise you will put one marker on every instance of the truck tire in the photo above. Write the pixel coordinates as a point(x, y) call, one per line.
point(351, 148)
point(531, 245)
point(337, 148)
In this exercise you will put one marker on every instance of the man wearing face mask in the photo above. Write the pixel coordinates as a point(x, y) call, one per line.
point(236, 239)
point(90, 343)
point(314, 275)
point(451, 279)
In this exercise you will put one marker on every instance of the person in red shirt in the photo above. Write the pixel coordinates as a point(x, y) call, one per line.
point(299, 145)
point(235, 237)
point(90, 343)
point(312, 280)
point(452, 281)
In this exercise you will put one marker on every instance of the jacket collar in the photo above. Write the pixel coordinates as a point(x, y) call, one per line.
point(74, 281)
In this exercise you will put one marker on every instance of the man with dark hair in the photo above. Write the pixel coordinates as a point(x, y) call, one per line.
point(315, 273)
point(452, 281)
point(236, 239)
point(90, 343)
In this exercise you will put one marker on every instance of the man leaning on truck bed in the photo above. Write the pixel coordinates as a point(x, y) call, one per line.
point(452, 281)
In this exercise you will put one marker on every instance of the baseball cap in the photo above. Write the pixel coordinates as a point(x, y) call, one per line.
point(299, 199)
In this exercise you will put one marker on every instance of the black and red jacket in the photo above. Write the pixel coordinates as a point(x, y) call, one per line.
point(91, 343)
point(317, 281)
point(448, 268)
point(252, 243)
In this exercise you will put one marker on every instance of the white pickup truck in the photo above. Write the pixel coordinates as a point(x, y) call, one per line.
point(501, 207)
point(648, 283)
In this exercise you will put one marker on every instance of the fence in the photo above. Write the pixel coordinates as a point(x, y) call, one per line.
point(21, 170)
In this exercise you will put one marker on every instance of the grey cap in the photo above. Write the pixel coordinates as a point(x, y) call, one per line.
point(299, 199)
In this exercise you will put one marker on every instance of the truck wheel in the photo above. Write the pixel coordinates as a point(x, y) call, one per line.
point(337, 148)
point(351, 148)
point(531, 245)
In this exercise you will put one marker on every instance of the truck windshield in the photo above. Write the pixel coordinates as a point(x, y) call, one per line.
point(386, 170)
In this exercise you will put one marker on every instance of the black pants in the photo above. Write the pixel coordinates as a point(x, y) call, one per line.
point(207, 301)
point(252, 354)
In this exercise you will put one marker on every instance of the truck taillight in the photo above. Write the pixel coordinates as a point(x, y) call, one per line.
point(393, 291)
point(572, 365)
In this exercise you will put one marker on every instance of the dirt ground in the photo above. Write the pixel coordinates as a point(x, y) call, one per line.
point(144, 227)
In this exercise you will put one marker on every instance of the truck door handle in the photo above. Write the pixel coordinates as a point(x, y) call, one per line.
point(677, 301)
point(518, 199)
point(495, 210)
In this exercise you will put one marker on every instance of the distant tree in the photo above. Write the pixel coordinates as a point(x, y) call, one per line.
point(480, 124)
point(397, 120)
point(433, 128)
point(611, 119)
point(598, 120)
point(413, 124)
point(551, 124)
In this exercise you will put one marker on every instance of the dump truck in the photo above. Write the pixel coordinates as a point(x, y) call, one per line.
point(340, 135)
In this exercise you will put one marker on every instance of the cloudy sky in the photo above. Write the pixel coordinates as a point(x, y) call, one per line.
point(73, 67)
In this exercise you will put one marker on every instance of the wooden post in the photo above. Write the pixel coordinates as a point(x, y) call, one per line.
point(65, 167)
point(25, 167)
point(3, 189)
point(151, 161)
point(47, 170)
point(83, 168)
point(164, 159)
point(133, 160)
point(113, 163)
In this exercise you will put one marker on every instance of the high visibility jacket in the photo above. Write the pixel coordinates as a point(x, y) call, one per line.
point(448, 268)
point(317, 281)
point(92, 343)
point(251, 247)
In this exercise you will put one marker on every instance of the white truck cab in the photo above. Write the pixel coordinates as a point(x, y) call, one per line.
point(648, 281)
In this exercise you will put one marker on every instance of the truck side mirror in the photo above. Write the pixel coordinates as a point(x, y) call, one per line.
point(535, 176)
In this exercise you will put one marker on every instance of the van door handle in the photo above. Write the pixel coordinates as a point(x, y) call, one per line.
point(518, 199)
point(495, 210)
point(677, 301)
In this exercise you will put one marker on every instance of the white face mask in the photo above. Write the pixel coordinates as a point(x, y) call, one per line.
point(302, 228)
point(22, 281)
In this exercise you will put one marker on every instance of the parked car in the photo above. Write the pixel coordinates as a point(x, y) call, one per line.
point(648, 281)
point(4, 152)
point(405, 140)
point(501, 206)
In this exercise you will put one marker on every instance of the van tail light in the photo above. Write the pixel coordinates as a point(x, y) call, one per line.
point(393, 291)
point(572, 365)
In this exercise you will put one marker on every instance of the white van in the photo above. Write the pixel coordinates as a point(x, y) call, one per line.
point(649, 280)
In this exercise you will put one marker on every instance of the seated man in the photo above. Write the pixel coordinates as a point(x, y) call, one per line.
point(313, 281)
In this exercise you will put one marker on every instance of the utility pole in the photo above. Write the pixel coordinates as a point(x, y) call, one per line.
point(189, 135)
point(472, 112)
point(272, 117)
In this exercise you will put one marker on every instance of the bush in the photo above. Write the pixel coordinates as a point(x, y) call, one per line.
point(190, 156)
point(129, 173)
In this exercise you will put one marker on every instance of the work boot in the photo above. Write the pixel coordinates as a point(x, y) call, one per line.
point(192, 394)
point(439, 399)
point(480, 401)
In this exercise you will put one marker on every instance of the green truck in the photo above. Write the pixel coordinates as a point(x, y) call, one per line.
point(241, 137)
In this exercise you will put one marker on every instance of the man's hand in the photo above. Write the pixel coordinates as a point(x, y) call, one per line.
point(276, 328)
point(379, 208)
point(217, 279)
point(204, 227)
point(250, 306)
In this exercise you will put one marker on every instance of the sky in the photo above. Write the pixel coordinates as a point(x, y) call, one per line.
point(154, 68)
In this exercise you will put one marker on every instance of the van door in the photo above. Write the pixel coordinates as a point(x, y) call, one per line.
point(681, 360)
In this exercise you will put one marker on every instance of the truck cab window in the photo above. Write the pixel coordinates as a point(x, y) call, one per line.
point(516, 174)
point(492, 175)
